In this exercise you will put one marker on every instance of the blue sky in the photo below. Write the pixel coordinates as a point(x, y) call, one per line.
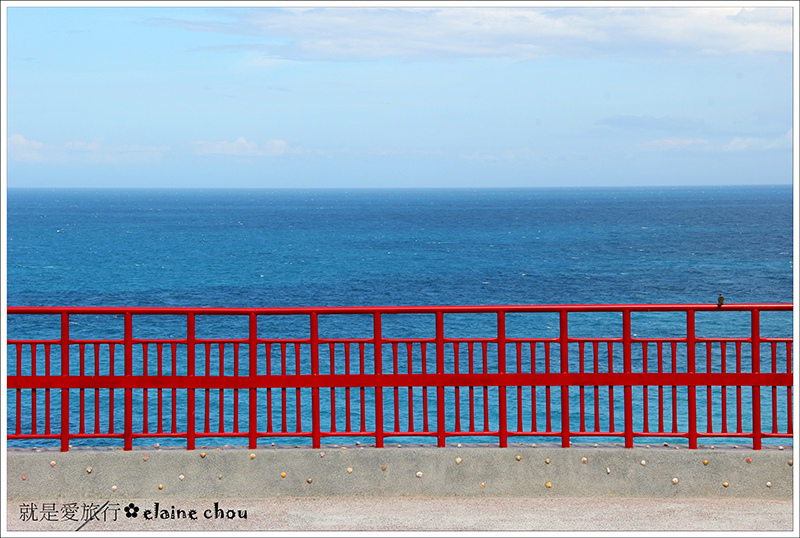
point(409, 96)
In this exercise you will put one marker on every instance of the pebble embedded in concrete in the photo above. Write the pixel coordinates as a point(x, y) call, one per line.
point(519, 457)
point(89, 470)
point(705, 462)
point(383, 467)
point(748, 460)
point(52, 464)
point(252, 456)
point(584, 460)
point(548, 485)
point(181, 477)
point(458, 461)
point(419, 474)
point(24, 477)
point(547, 460)
point(283, 475)
point(349, 469)
point(113, 488)
point(161, 486)
point(202, 454)
point(321, 454)
point(725, 484)
point(644, 462)
point(608, 470)
point(769, 484)
point(145, 458)
point(674, 480)
point(309, 480)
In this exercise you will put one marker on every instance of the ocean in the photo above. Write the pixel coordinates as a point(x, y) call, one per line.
point(388, 247)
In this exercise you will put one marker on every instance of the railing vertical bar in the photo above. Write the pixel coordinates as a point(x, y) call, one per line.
point(645, 399)
point(284, 413)
point(534, 427)
point(47, 393)
point(519, 388)
point(470, 348)
point(160, 354)
point(96, 390)
point(724, 359)
point(81, 399)
point(207, 419)
point(410, 390)
point(348, 425)
point(173, 372)
point(190, 371)
point(501, 360)
point(660, 351)
point(395, 389)
point(674, 350)
point(363, 427)
point(611, 422)
point(331, 355)
point(709, 412)
point(789, 420)
point(297, 393)
point(423, 351)
point(315, 418)
point(485, 353)
point(378, 371)
point(581, 346)
point(34, 428)
point(596, 349)
point(111, 348)
point(64, 373)
point(690, 354)
point(774, 389)
point(18, 428)
point(236, 391)
point(627, 368)
point(440, 409)
point(144, 389)
point(457, 402)
point(221, 397)
point(738, 388)
point(548, 423)
point(128, 431)
point(755, 352)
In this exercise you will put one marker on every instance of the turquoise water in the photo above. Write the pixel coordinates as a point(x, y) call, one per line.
point(280, 248)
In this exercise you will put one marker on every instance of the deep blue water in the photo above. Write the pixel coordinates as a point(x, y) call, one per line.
point(275, 248)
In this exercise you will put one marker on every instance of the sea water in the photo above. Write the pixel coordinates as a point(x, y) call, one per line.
point(386, 247)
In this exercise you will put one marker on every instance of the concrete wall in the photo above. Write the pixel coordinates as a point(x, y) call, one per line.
point(354, 471)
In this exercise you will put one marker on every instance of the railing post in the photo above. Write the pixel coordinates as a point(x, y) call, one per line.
point(190, 343)
point(253, 370)
point(692, 389)
point(315, 429)
point(755, 353)
point(440, 407)
point(128, 435)
point(65, 390)
point(564, 343)
point(626, 345)
point(501, 368)
point(376, 324)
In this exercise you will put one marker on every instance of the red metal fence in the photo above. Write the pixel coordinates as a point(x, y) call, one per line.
point(502, 386)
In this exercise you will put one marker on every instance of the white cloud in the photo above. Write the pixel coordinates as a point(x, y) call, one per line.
point(242, 147)
point(449, 32)
point(760, 144)
point(672, 142)
point(22, 149)
point(96, 151)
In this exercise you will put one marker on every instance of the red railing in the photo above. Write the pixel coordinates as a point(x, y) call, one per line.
point(502, 386)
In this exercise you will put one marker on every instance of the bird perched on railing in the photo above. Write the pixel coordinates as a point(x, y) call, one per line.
point(720, 301)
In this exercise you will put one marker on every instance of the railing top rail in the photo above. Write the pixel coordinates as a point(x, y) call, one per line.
point(328, 310)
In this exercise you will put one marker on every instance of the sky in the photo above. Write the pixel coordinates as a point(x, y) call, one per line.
point(270, 95)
